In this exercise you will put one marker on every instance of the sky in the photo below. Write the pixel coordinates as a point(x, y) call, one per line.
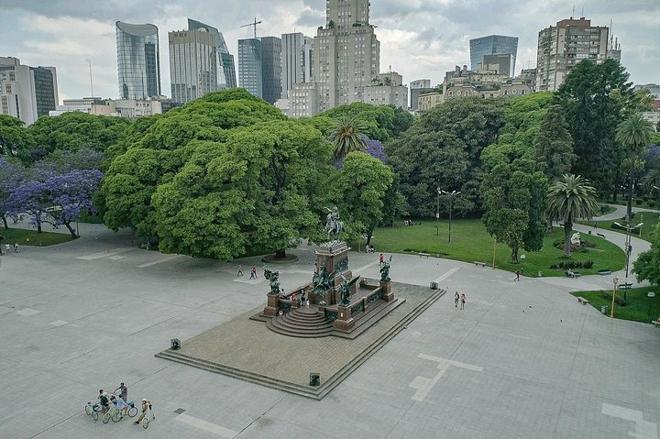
point(421, 39)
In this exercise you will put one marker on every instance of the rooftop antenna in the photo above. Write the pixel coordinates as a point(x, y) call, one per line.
point(582, 11)
point(91, 80)
point(573, 13)
point(254, 24)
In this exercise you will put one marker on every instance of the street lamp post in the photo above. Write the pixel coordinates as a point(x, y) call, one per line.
point(629, 230)
point(451, 195)
point(437, 213)
point(615, 281)
point(651, 296)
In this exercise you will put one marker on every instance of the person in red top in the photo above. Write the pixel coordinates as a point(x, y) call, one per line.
point(381, 259)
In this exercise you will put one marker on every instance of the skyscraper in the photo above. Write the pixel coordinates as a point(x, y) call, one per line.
point(493, 45)
point(271, 68)
point(249, 66)
point(138, 60)
point(196, 63)
point(346, 53)
point(27, 93)
point(227, 72)
point(562, 46)
point(297, 58)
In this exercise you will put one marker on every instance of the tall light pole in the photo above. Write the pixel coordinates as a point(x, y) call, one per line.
point(437, 213)
point(629, 230)
point(451, 195)
point(615, 281)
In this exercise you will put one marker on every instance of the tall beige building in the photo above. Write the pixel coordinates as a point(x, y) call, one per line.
point(346, 53)
point(562, 46)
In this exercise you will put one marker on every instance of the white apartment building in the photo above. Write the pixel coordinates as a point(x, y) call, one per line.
point(27, 93)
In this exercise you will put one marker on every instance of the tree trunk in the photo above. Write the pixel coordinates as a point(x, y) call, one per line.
point(71, 230)
point(4, 221)
point(514, 255)
point(280, 254)
point(629, 204)
point(568, 231)
point(38, 218)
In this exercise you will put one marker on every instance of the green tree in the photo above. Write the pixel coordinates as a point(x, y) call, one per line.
point(442, 149)
point(347, 137)
point(569, 199)
point(362, 186)
point(554, 145)
point(595, 98)
point(15, 140)
point(647, 265)
point(634, 133)
point(380, 122)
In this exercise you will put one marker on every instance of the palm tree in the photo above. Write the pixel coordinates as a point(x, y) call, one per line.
point(571, 198)
point(635, 134)
point(347, 137)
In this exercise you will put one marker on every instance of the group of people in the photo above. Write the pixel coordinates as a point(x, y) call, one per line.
point(119, 400)
point(459, 298)
point(13, 246)
point(253, 272)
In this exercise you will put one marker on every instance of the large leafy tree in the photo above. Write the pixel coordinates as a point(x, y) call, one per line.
point(595, 98)
point(647, 265)
point(442, 149)
point(11, 175)
point(554, 145)
point(15, 139)
point(347, 136)
point(634, 133)
point(361, 190)
point(380, 122)
point(569, 199)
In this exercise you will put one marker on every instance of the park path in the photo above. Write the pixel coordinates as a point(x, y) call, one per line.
point(620, 212)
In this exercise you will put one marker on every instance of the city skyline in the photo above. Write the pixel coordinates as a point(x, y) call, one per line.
point(420, 40)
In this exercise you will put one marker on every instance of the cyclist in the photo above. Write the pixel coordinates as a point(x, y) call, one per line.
point(120, 404)
point(104, 400)
point(146, 406)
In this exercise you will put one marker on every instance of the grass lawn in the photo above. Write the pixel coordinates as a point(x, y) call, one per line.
point(637, 307)
point(649, 219)
point(31, 237)
point(470, 242)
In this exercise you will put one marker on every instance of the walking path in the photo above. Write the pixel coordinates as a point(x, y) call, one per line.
point(620, 212)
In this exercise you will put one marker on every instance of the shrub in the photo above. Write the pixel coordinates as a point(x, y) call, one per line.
point(617, 300)
point(568, 265)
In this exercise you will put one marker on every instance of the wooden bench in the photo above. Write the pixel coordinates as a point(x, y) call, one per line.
point(656, 323)
point(582, 300)
point(479, 264)
point(573, 274)
point(624, 286)
point(425, 255)
point(601, 235)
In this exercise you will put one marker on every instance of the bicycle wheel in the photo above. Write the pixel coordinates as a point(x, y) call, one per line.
point(145, 423)
point(106, 417)
point(116, 416)
point(132, 411)
point(95, 416)
point(88, 410)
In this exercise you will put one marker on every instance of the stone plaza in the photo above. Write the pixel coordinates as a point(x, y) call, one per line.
point(523, 360)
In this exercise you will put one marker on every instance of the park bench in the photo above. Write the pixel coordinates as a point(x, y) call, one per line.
point(656, 322)
point(425, 255)
point(625, 286)
point(601, 235)
point(573, 274)
point(479, 264)
point(582, 300)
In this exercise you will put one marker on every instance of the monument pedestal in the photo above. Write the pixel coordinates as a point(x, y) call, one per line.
point(272, 306)
point(386, 291)
point(344, 321)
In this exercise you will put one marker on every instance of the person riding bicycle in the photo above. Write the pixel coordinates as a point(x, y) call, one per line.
point(104, 400)
point(120, 404)
point(146, 407)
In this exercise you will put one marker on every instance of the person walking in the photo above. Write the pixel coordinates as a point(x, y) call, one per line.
point(253, 272)
point(456, 299)
point(463, 301)
point(518, 275)
point(239, 273)
point(381, 259)
point(146, 407)
point(123, 391)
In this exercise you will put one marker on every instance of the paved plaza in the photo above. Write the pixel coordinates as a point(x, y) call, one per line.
point(523, 360)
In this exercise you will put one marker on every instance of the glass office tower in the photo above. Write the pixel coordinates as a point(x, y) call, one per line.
point(271, 68)
point(493, 45)
point(249, 66)
point(138, 60)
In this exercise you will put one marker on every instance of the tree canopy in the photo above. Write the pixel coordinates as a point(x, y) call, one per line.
point(380, 122)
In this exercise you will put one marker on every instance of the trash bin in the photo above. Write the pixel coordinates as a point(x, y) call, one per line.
point(434, 285)
point(603, 309)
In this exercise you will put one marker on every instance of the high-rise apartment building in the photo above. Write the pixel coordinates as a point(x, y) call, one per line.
point(196, 63)
point(297, 55)
point(493, 45)
point(226, 66)
point(346, 53)
point(138, 60)
point(271, 68)
point(249, 66)
point(420, 83)
point(27, 93)
point(562, 46)
point(386, 89)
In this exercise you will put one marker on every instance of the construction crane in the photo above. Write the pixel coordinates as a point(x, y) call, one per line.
point(254, 24)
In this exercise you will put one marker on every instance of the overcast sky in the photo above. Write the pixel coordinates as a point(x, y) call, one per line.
point(419, 38)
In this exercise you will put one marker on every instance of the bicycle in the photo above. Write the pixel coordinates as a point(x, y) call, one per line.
point(113, 413)
point(93, 410)
point(132, 410)
point(146, 420)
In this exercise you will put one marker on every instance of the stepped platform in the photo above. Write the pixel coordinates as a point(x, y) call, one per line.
point(246, 349)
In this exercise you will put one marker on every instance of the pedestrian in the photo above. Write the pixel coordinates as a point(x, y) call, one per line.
point(123, 391)
point(15, 248)
point(146, 406)
point(463, 301)
point(239, 273)
point(456, 299)
point(253, 272)
point(518, 275)
point(381, 259)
